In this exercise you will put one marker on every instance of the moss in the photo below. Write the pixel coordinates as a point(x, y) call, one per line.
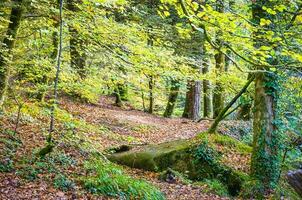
point(227, 142)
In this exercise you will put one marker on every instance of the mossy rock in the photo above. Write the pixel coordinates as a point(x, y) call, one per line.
point(180, 156)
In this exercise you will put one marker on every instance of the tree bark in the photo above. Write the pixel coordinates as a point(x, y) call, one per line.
point(172, 98)
point(193, 97)
point(265, 162)
point(295, 180)
point(77, 55)
point(9, 43)
point(244, 112)
point(218, 96)
point(206, 93)
point(151, 97)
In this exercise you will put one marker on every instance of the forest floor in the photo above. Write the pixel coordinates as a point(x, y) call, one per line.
point(117, 126)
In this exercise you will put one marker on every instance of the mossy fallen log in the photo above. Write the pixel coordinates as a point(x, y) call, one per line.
point(193, 157)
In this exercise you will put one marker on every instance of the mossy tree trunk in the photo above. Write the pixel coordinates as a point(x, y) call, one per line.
point(77, 42)
point(265, 162)
point(175, 85)
point(218, 95)
point(218, 92)
point(8, 45)
point(121, 94)
point(193, 97)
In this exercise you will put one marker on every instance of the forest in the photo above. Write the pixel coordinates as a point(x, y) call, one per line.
point(150, 99)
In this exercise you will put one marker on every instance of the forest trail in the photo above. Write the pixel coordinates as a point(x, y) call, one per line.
point(143, 127)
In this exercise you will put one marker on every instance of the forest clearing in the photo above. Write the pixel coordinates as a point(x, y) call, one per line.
point(150, 100)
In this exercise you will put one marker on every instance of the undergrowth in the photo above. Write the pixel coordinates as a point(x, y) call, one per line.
point(214, 186)
point(9, 143)
point(108, 179)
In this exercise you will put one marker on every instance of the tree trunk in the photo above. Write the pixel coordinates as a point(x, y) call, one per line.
point(192, 105)
point(8, 44)
point(265, 157)
point(77, 55)
point(218, 96)
point(121, 94)
point(206, 94)
point(265, 162)
point(172, 98)
point(295, 180)
point(244, 112)
point(151, 97)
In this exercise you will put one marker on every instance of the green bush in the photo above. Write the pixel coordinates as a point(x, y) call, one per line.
point(108, 179)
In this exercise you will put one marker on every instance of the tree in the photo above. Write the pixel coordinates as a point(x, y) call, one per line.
point(8, 43)
point(193, 97)
point(265, 164)
point(218, 96)
point(174, 90)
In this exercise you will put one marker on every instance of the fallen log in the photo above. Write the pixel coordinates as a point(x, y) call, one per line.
point(189, 157)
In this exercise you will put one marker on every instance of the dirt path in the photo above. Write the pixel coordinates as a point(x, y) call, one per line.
point(145, 127)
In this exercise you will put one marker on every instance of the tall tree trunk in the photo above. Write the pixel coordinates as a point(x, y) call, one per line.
point(265, 163)
point(151, 97)
point(218, 96)
point(8, 44)
point(175, 85)
point(265, 157)
point(77, 55)
point(193, 97)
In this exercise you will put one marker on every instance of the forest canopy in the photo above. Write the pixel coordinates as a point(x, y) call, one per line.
point(91, 86)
